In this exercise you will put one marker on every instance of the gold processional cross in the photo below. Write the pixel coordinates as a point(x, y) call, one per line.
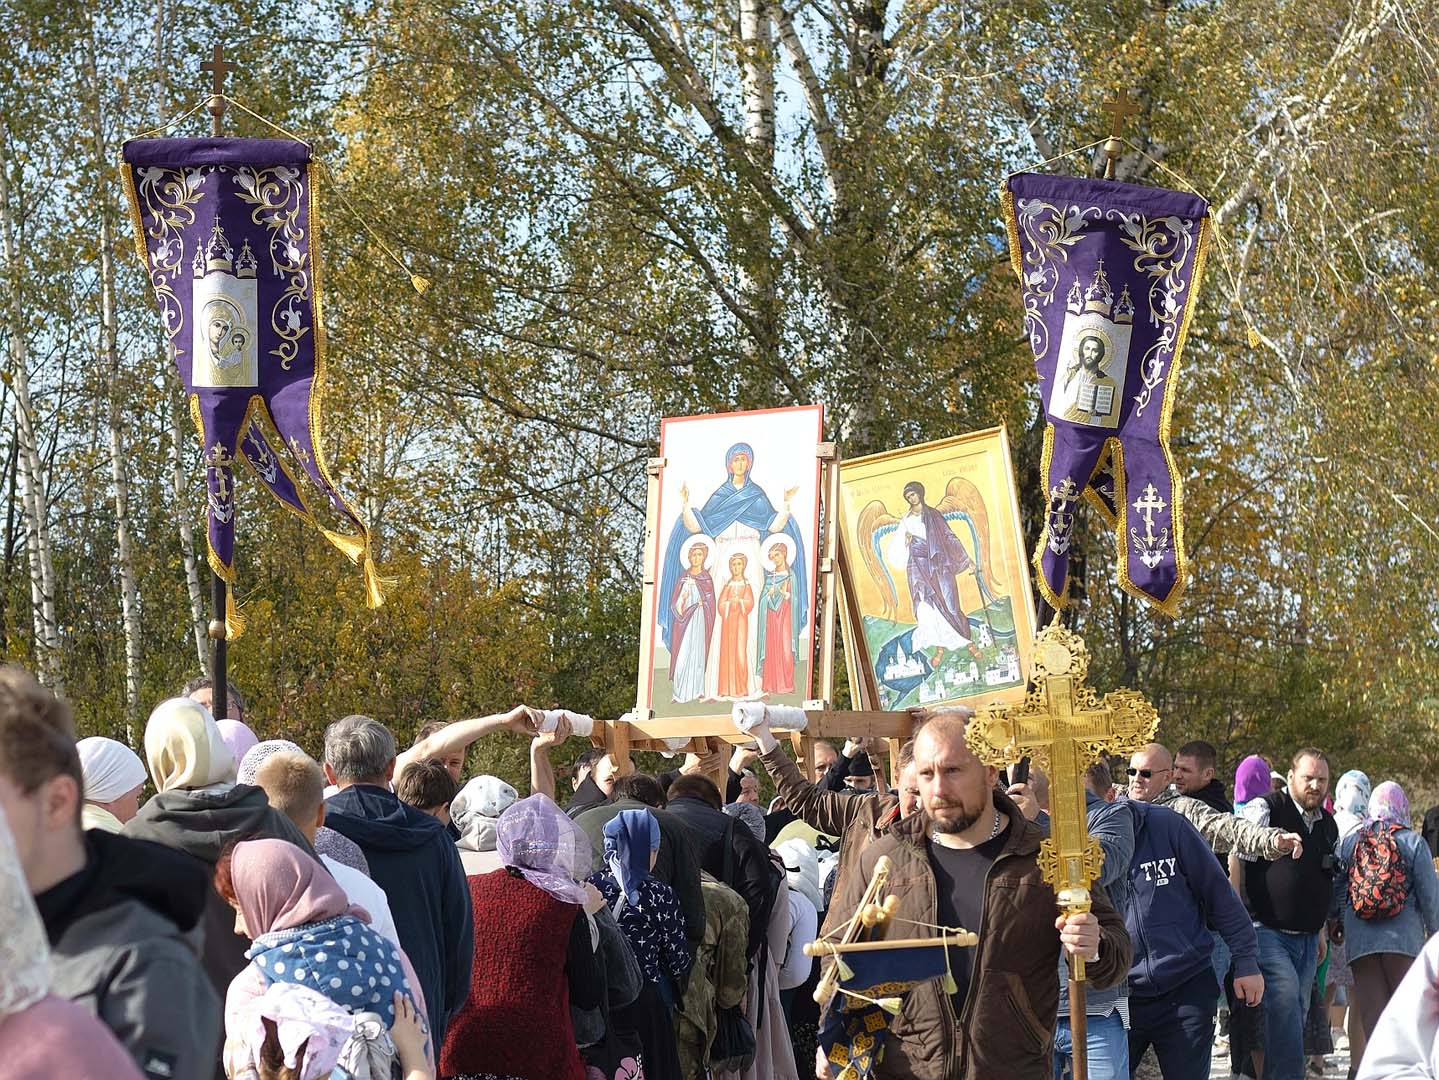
point(1119, 110)
point(1065, 727)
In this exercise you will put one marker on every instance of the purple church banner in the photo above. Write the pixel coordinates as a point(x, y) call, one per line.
point(1109, 273)
point(228, 232)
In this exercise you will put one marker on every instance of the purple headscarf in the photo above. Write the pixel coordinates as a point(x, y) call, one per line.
point(550, 850)
point(237, 737)
point(1389, 804)
point(1251, 779)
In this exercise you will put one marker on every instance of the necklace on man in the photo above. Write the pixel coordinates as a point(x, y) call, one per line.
point(995, 831)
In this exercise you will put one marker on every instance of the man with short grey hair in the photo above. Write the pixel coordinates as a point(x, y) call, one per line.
point(411, 857)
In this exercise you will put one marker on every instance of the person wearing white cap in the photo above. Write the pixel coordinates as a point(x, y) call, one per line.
point(114, 778)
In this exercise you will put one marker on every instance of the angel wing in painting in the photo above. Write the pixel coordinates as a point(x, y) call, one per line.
point(923, 543)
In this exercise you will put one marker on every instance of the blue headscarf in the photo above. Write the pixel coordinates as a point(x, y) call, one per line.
point(630, 838)
point(740, 448)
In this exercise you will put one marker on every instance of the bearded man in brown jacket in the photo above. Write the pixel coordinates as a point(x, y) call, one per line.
point(968, 858)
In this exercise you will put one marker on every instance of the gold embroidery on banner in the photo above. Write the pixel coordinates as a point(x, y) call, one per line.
point(276, 195)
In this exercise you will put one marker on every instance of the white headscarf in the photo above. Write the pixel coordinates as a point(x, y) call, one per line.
point(801, 863)
point(258, 754)
point(111, 769)
point(24, 952)
point(184, 747)
point(476, 809)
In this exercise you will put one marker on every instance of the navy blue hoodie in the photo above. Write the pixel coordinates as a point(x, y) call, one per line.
point(1174, 886)
point(413, 859)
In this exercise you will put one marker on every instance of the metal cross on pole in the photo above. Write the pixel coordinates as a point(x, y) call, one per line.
point(1119, 109)
point(217, 68)
point(1065, 727)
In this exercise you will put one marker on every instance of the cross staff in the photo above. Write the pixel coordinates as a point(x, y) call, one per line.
point(1064, 726)
point(218, 69)
point(1119, 109)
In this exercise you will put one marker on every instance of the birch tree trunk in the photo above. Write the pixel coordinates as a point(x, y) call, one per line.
point(110, 364)
point(757, 57)
point(198, 619)
point(31, 469)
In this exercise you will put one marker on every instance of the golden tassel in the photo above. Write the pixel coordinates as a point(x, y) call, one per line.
point(234, 620)
point(376, 586)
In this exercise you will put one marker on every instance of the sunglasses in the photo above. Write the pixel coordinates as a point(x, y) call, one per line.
point(1147, 773)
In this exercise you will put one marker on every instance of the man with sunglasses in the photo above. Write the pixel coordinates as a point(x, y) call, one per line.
point(1150, 772)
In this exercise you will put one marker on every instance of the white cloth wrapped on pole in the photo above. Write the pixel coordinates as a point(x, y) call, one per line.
point(748, 714)
point(580, 724)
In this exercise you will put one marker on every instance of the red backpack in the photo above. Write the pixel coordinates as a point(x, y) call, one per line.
point(1378, 875)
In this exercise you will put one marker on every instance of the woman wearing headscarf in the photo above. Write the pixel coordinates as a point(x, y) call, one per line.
point(1351, 801)
point(327, 841)
point(200, 810)
point(41, 1034)
point(649, 914)
point(1380, 949)
point(1351, 804)
point(238, 737)
point(1251, 780)
point(307, 933)
point(475, 812)
point(114, 777)
point(251, 760)
point(534, 956)
point(1246, 1023)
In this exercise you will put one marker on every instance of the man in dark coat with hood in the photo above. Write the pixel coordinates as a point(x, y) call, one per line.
point(730, 854)
point(121, 915)
point(411, 857)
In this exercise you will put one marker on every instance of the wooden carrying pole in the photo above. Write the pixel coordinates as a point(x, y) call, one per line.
point(829, 981)
point(963, 938)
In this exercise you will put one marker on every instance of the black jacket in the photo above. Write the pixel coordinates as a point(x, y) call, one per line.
point(123, 946)
point(1213, 796)
point(748, 862)
point(587, 796)
point(204, 824)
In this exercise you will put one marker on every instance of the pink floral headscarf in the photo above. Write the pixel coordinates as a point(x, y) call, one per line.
point(1389, 804)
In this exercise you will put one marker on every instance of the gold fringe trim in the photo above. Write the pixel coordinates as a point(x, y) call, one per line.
point(376, 586)
point(1011, 228)
point(127, 179)
point(1059, 600)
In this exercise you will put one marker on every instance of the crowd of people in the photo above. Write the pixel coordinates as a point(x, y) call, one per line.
point(377, 913)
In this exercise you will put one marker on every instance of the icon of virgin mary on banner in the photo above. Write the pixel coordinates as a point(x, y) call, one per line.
point(1109, 274)
point(734, 576)
point(228, 232)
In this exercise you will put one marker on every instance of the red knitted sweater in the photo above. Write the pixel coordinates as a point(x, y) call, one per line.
point(517, 1019)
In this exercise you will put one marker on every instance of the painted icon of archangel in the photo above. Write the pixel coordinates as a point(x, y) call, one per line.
point(934, 561)
point(737, 522)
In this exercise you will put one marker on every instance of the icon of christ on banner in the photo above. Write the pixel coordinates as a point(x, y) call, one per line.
point(734, 596)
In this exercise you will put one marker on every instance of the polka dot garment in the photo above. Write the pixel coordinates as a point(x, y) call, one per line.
point(342, 958)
